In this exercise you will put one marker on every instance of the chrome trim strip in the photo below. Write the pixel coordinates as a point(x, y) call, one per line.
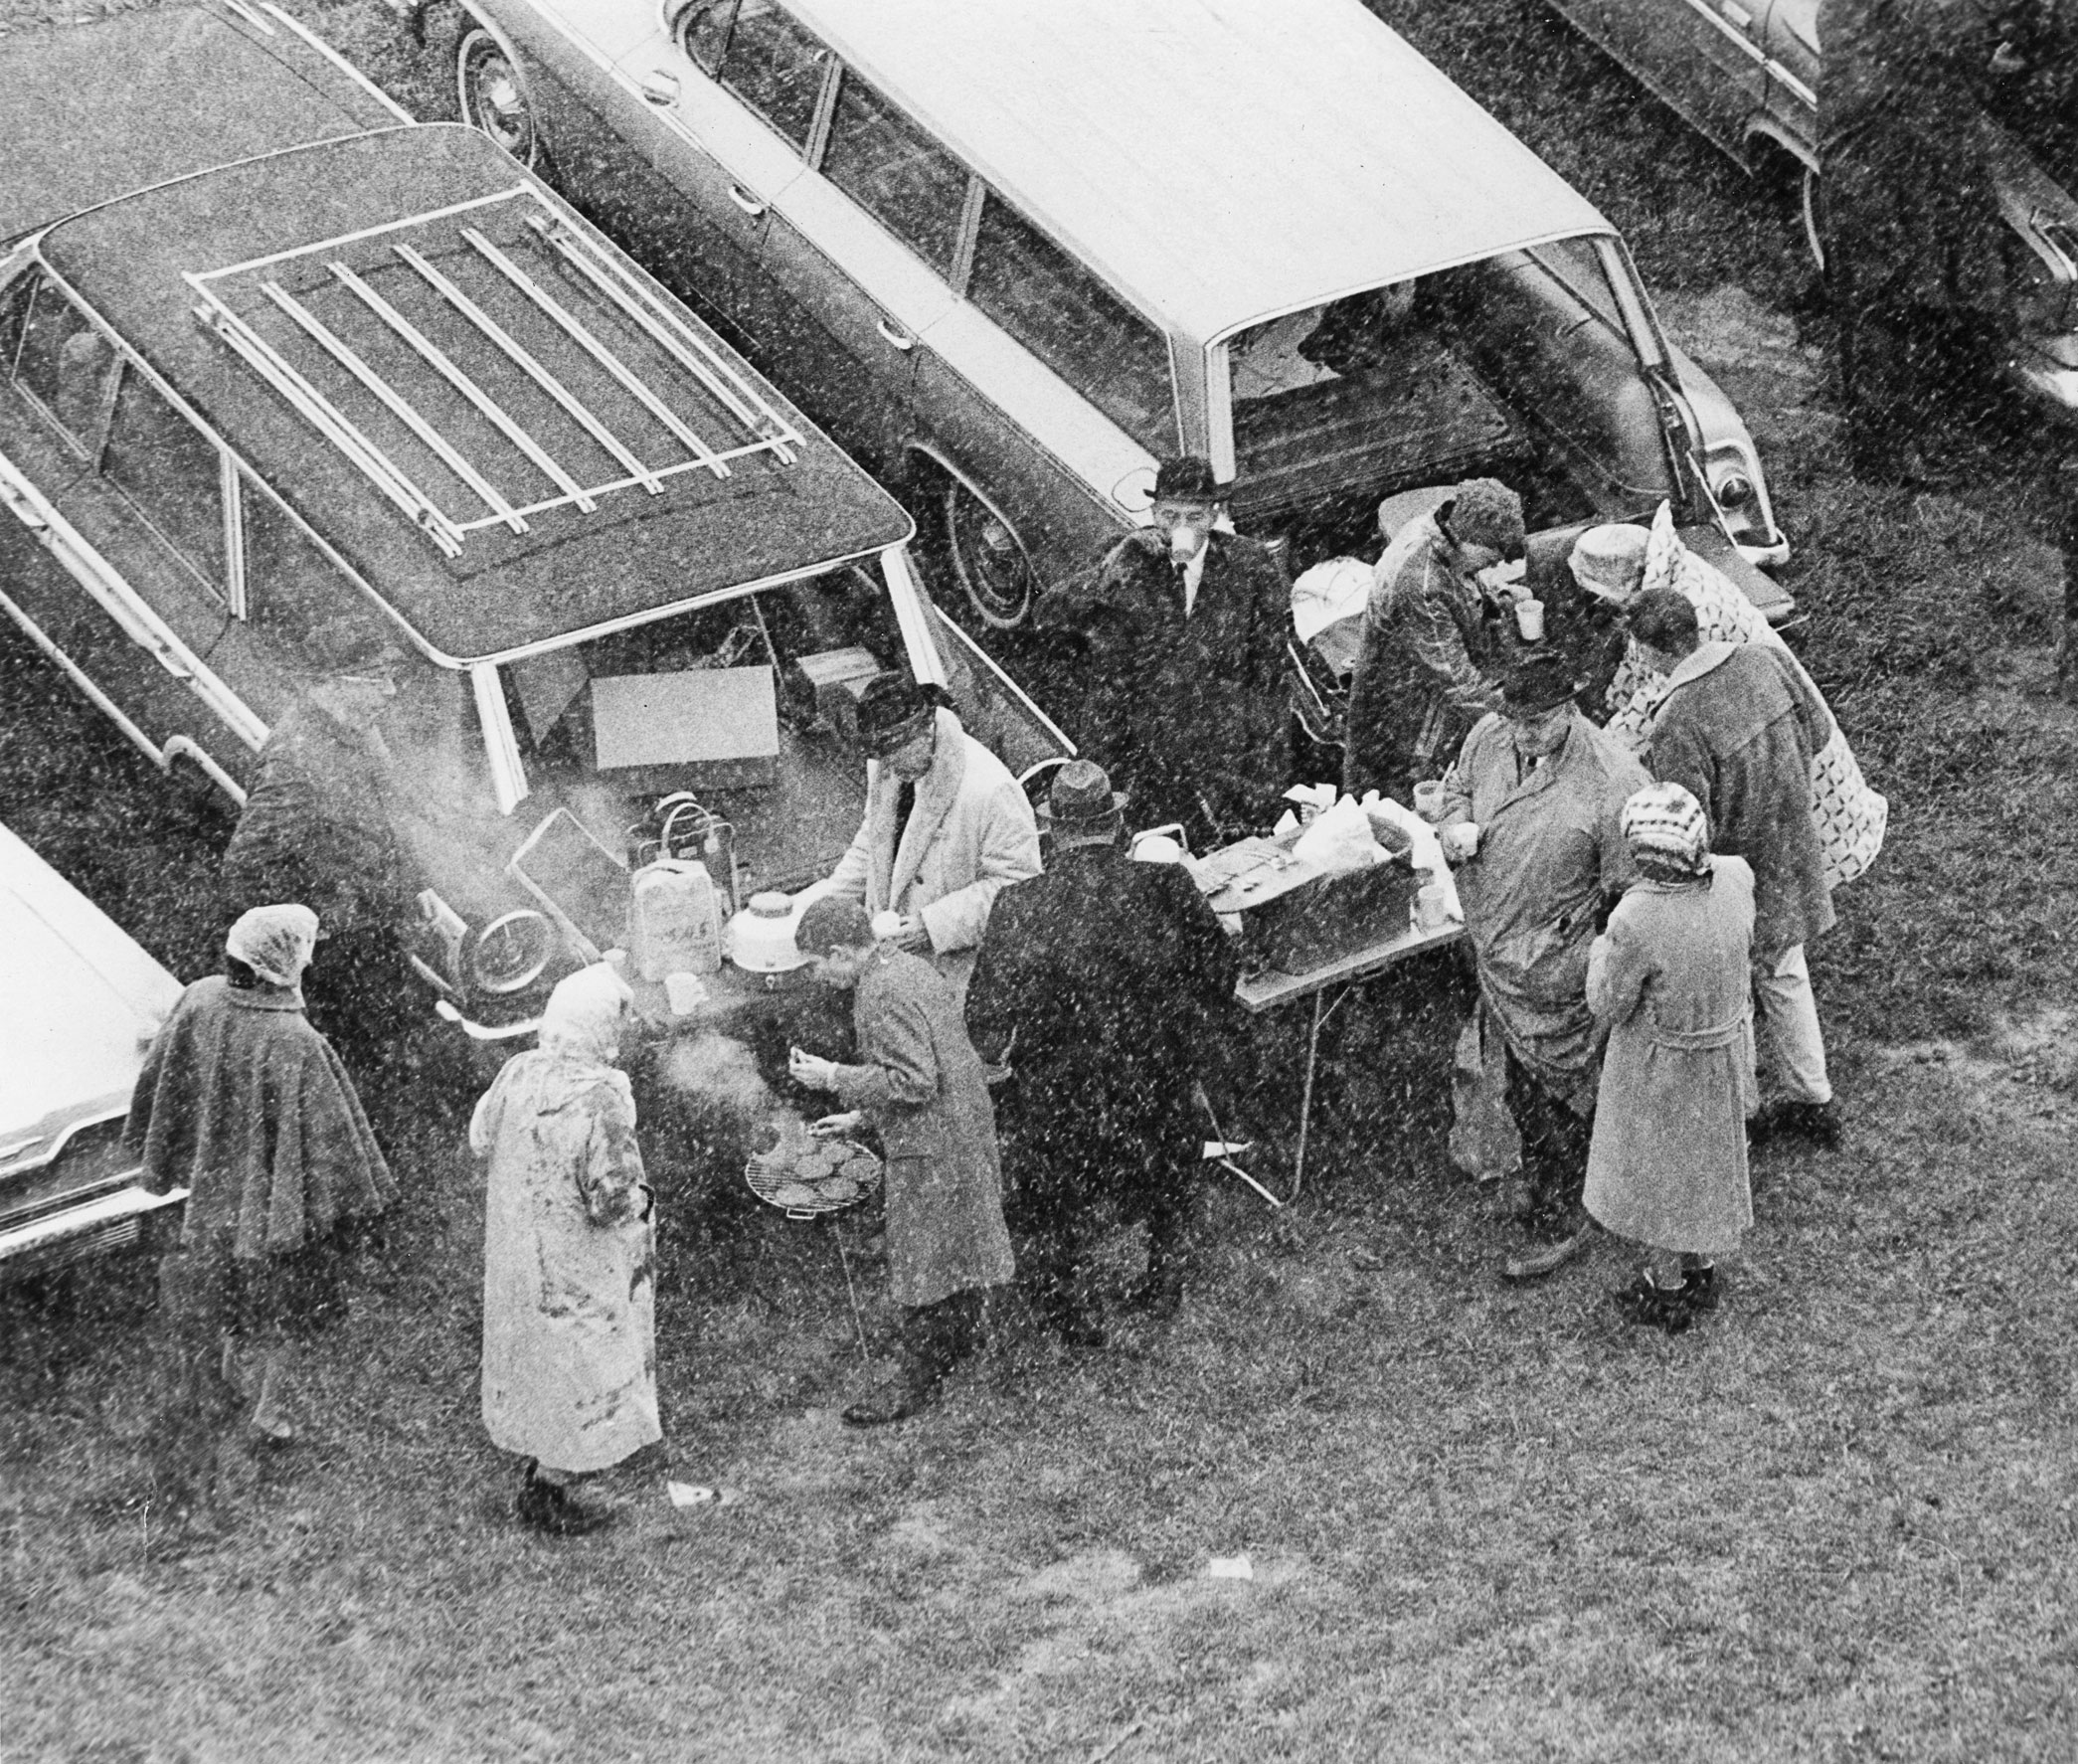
point(449, 370)
point(508, 776)
point(395, 402)
point(592, 423)
point(339, 60)
point(576, 329)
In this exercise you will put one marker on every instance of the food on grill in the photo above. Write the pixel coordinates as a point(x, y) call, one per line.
point(795, 1194)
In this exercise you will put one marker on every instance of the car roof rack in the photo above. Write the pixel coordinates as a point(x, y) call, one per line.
point(487, 362)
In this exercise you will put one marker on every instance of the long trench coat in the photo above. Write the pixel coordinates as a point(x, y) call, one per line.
point(569, 1265)
point(1551, 850)
point(1737, 730)
point(1104, 979)
point(1668, 980)
point(921, 1082)
point(970, 834)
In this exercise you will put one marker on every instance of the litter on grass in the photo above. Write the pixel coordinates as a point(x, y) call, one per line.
point(1229, 1569)
point(692, 1495)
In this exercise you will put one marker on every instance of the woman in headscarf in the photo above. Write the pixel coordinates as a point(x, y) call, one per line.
point(1668, 982)
point(569, 1258)
point(245, 1106)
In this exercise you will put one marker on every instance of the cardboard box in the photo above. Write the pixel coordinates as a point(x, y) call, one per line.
point(1295, 918)
point(706, 729)
point(836, 679)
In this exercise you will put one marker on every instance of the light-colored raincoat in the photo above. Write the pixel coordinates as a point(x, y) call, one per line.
point(569, 1264)
point(1551, 846)
point(1668, 980)
point(921, 1082)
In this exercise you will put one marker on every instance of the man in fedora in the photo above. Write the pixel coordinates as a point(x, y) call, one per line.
point(1532, 828)
point(1184, 624)
point(947, 826)
point(1101, 983)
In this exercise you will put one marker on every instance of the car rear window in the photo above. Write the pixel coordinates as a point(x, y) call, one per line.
point(897, 173)
point(775, 68)
point(169, 468)
point(1075, 324)
point(63, 362)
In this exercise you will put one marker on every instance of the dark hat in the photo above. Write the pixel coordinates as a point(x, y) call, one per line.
point(348, 644)
point(1536, 684)
point(1080, 797)
point(892, 708)
point(833, 922)
point(1188, 479)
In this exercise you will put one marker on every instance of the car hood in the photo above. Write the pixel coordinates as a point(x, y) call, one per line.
point(98, 112)
point(83, 1002)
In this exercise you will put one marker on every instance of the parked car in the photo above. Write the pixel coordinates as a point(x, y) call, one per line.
point(388, 374)
point(1017, 253)
point(83, 1002)
point(1748, 74)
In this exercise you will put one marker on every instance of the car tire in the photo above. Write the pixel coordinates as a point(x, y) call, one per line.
point(988, 559)
point(493, 95)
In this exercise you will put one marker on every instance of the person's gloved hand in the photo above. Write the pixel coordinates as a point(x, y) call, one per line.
point(1460, 842)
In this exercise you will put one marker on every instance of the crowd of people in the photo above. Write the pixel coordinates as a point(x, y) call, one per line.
point(1039, 1020)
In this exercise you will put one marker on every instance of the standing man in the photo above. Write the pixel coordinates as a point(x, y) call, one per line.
point(1532, 827)
point(1188, 709)
point(1099, 983)
point(318, 828)
point(1913, 261)
point(947, 827)
point(920, 1082)
point(1418, 686)
point(1737, 728)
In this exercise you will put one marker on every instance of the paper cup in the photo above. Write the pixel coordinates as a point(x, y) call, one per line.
point(686, 992)
point(1428, 801)
point(1529, 621)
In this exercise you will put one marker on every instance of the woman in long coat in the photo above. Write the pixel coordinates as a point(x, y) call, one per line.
point(921, 1082)
point(1668, 982)
point(245, 1105)
point(569, 1258)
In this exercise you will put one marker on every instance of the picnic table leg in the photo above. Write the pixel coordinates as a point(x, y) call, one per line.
point(850, 1292)
point(1323, 1008)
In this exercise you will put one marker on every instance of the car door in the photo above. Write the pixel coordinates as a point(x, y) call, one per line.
point(1706, 58)
point(124, 498)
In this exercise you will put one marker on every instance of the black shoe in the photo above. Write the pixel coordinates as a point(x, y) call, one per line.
point(1158, 1294)
point(559, 1511)
point(1699, 1288)
point(1819, 1122)
point(1648, 1304)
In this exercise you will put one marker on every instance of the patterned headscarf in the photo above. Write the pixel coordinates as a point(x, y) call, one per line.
point(582, 1020)
point(275, 943)
point(1667, 828)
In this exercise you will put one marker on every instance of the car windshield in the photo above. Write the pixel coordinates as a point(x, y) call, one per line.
point(1518, 365)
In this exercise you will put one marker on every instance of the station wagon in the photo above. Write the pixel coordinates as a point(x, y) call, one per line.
point(1747, 75)
point(1016, 254)
point(391, 375)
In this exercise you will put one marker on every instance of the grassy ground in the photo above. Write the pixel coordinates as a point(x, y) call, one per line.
point(1834, 1523)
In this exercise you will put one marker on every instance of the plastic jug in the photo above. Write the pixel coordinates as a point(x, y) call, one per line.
point(676, 923)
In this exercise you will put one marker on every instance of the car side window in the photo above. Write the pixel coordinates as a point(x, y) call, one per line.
point(703, 30)
point(68, 366)
point(291, 587)
point(169, 470)
point(1075, 324)
point(775, 68)
point(897, 173)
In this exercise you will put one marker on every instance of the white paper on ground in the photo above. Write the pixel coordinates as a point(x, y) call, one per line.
point(1226, 1147)
point(1229, 1569)
point(691, 1494)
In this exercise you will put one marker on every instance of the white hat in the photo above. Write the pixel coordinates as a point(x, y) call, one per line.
point(1610, 561)
point(1329, 593)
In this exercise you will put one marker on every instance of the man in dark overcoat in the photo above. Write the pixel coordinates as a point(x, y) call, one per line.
point(1189, 705)
point(1910, 223)
point(1101, 983)
point(1737, 729)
